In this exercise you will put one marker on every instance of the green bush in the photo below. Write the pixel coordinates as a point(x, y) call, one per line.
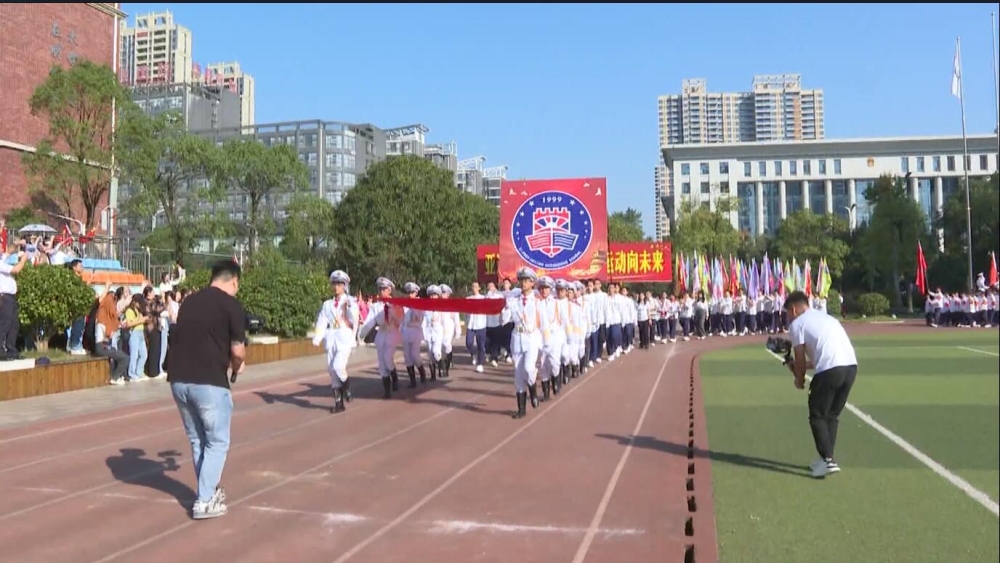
point(50, 298)
point(833, 303)
point(286, 297)
point(873, 304)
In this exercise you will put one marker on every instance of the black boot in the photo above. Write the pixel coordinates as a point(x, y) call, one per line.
point(574, 371)
point(565, 374)
point(434, 375)
point(545, 391)
point(522, 400)
point(533, 391)
point(348, 396)
point(386, 386)
point(557, 383)
point(423, 374)
point(338, 401)
point(441, 368)
point(412, 372)
point(446, 366)
point(395, 380)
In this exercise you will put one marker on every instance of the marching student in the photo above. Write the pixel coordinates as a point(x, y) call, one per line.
point(613, 319)
point(629, 315)
point(672, 310)
point(642, 318)
point(526, 340)
point(726, 310)
point(686, 315)
point(413, 335)
point(740, 310)
point(433, 330)
point(335, 326)
point(599, 310)
point(553, 334)
point(587, 325)
point(475, 333)
point(820, 343)
point(387, 319)
point(564, 292)
point(452, 330)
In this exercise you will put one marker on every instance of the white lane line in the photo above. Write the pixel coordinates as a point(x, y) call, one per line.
point(987, 352)
point(291, 478)
point(940, 470)
point(465, 526)
point(609, 491)
point(458, 474)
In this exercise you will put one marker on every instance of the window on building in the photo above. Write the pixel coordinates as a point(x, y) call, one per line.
point(312, 159)
point(723, 168)
point(836, 166)
point(747, 170)
point(793, 168)
point(704, 168)
point(705, 188)
point(904, 164)
point(762, 168)
point(951, 164)
point(778, 168)
point(968, 162)
point(920, 164)
point(984, 162)
point(685, 169)
point(936, 164)
point(724, 187)
point(822, 167)
point(686, 188)
point(807, 167)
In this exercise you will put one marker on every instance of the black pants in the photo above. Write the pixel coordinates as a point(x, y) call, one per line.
point(10, 325)
point(118, 359)
point(828, 393)
point(644, 334)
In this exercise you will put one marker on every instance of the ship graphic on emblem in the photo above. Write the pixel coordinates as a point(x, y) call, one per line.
point(551, 230)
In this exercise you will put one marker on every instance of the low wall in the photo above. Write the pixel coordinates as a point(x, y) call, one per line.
point(84, 374)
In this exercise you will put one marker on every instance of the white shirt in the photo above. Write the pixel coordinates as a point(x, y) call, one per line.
point(825, 339)
point(476, 322)
point(7, 282)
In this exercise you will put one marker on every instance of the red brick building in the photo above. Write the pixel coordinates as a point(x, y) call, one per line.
point(33, 37)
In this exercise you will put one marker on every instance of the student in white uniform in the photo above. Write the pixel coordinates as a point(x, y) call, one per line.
point(413, 335)
point(586, 324)
point(387, 319)
point(335, 327)
point(526, 339)
point(433, 330)
point(564, 292)
point(553, 336)
point(452, 330)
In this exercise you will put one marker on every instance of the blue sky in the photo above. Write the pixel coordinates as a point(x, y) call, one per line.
point(556, 91)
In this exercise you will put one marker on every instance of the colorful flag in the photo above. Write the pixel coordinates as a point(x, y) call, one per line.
point(956, 72)
point(993, 269)
point(921, 281)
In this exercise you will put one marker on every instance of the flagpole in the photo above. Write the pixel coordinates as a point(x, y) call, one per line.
point(996, 81)
point(965, 162)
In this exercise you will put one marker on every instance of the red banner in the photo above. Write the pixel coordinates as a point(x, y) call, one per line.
point(627, 262)
point(558, 228)
point(450, 305)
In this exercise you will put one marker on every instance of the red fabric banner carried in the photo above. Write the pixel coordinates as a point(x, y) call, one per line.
point(450, 305)
point(633, 262)
point(921, 281)
point(558, 228)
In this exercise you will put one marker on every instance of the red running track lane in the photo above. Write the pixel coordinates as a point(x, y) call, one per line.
point(441, 473)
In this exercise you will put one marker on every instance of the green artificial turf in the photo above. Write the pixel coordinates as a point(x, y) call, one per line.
point(885, 505)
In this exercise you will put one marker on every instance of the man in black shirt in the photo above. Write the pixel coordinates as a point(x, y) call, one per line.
point(208, 342)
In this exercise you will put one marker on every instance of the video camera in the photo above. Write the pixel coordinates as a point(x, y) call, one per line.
point(254, 324)
point(780, 348)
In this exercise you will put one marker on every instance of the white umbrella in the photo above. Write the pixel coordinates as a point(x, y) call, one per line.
point(36, 228)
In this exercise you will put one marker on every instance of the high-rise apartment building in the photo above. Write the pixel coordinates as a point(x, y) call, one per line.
point(231, 76)
point(156, 50)
point(776, 108)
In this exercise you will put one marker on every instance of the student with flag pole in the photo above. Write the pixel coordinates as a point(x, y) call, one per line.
point(958, 90)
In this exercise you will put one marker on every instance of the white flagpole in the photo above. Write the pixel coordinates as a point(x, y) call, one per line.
point(958, 89)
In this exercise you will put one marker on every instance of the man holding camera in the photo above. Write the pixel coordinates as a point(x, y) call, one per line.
point(820, 343)
point(9, 323)
point(208, 342)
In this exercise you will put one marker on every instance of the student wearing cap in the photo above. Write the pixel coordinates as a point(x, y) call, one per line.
point(452, 329)
point(413, 335)
point(434, 334)
point(387, 319)
point(526, 339)
point(587, 327)
point(565, 329)
point(574, 333)
point(553, 334)
point(335, 327)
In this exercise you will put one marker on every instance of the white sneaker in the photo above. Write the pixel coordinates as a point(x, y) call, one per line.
point(211, 509)
point(820, 468)
point(479, 369)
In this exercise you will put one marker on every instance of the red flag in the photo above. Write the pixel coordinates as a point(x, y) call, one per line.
point(487, 306)
point(921, 281)
point(993, 269)
point(3, 236)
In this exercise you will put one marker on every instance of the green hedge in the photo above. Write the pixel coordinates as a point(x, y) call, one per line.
point(833, 303)
point(49, 299)
point(286, 297)
point(873, 304)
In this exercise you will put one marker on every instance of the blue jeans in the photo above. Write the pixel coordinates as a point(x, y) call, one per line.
point(206, 411)
point(74, 335)
point(475, 343)
point(137, 353)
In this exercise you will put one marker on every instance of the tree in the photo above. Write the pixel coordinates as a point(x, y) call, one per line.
point(405, 220)
point(163, 164)
point(984, 200)
point(73, 163)
point(811, 236)
point(50, 297)
point(259, 174)
point(21, 216)
point(897, 223)
point(308, 227)
point(625, 226)
point(702, 230)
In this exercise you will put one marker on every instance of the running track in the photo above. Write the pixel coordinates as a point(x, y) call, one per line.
point(437, 474)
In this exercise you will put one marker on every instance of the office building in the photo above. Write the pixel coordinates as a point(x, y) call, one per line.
point(776, 108)
point(771, 180)
point(230, 75)
point(33, 38)
point(444, 156)
point(156, 50)
point(203, 106)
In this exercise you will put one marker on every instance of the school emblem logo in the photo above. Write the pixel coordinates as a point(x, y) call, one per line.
point(551, 230)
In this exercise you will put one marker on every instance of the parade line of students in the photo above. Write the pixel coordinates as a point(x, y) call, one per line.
point(552, 331)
